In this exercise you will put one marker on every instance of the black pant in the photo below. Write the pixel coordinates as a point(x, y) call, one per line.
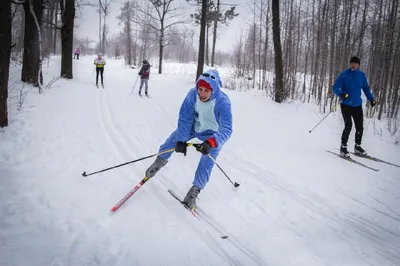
point(356, 113)
point(99, 70)
point(76, 55)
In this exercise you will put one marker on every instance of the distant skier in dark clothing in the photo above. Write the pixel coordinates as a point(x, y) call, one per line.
point(144, 74)
point(348, 88)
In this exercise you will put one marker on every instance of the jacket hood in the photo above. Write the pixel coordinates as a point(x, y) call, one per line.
point(211, 78)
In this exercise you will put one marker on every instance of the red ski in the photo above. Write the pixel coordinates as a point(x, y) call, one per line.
point(124, 199)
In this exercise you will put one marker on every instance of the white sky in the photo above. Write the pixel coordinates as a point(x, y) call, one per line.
point(87, 23)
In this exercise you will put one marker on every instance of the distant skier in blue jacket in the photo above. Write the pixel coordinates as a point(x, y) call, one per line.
point(205, 114)
point(348, 88)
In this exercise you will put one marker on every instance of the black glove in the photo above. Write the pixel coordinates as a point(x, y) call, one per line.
point(343, 96)
point(373, 103)
point(181, 147)
point(204, 147)
point(139, 74)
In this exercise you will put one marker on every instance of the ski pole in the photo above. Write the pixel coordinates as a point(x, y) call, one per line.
point(215, 162)
point(333, 109)
point(134, 85)
point(134, 161)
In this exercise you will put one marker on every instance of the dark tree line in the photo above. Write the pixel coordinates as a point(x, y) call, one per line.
point(34, 33)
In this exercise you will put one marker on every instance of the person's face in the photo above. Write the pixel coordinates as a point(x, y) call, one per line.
point(354, 65)
point(99, 57)
point(204, 94)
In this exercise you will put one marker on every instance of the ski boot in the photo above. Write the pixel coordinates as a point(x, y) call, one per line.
point(155, 167)
point(343, 151)
point(359, 151)
point(190, 199)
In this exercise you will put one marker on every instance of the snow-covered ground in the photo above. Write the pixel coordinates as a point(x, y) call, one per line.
point(296, 205)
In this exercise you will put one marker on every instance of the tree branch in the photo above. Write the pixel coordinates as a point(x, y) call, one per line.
point(174, 23)
point(146, 23)
point(148, 14)
point(156, 6)
point(48, 22)
point(19, 2)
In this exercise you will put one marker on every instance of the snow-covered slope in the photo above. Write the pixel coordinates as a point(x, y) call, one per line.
point(296, 205)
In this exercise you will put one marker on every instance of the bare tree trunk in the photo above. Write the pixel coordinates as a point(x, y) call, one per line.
point(5, 49)
point(298, 44)
point(161, 48)
point(266, 47)
point(306, 55)
point(203, 22)
point(279, 90)
point(135, 48)
point(103, 38)
point(30, 67)
point(39, 38)
point(316, 62)
point(396, 77)
point(207, 35)
point(363, 27)
point(388, 54)
point(214, 36)
point(129, 39)
point(55, 30)
point(100, 41)
point(312, 73)
point(348, 34)
point(260, 36)
point(319, 52)
point(254, 46)
point(67, 37)
point(332, 56)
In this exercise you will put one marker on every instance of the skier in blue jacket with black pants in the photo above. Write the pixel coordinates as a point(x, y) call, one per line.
point(348, 87)
point(205, 114)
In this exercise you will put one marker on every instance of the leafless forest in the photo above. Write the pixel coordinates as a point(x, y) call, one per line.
point(318, 38)
point(294, 50)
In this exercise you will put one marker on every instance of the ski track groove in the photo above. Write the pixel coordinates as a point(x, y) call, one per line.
point(111, 123)
point(383, 204)
point(217, 227)
point(103, 123)
point(214, 243)
point(72, 247)
point(367, 230)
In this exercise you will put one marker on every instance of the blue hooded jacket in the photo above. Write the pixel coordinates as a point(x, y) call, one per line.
point(351, 82)
point(211, 119)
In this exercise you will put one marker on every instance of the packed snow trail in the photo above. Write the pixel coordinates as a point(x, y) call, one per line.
point(296, 205)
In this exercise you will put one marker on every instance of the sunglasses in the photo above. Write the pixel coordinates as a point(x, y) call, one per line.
point(209, 76)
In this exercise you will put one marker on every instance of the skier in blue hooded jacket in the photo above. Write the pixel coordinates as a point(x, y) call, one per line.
point(205, 114)
point(348, 88)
